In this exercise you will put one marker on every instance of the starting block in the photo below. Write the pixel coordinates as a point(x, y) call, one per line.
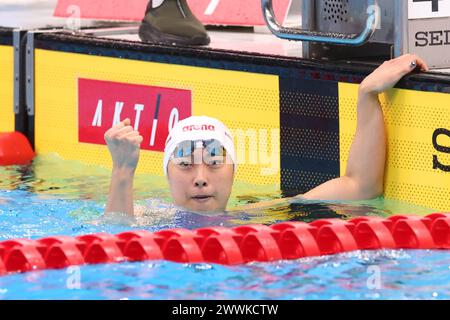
point(210, 12)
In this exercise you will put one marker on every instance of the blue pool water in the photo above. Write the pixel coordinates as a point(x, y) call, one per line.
point(59, 197)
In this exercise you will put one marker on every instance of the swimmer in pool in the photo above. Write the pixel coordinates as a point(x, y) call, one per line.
point(200, 162)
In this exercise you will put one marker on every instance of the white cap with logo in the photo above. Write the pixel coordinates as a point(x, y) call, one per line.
point(197, 128)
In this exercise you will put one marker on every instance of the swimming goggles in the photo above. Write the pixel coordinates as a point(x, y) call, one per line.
point(214, 153)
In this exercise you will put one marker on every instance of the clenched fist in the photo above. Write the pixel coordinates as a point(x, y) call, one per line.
point(124, 145)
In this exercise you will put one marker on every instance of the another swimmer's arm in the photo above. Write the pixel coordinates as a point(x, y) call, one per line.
point(124, 145)
point(365, 168)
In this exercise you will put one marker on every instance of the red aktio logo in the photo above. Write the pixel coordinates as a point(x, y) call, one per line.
point(152, 110)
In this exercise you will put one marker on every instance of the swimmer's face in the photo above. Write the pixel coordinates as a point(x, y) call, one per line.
point(203, 187)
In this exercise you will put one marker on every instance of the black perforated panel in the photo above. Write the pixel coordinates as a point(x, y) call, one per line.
point(309, 133)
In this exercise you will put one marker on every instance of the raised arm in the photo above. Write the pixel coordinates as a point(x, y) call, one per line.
point(365, 167)
point(124, 145)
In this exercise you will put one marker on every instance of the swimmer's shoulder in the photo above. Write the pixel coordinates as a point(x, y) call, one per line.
point(139, 210)
point(153, 207)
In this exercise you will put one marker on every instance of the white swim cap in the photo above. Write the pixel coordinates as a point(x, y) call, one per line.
point(199, 128)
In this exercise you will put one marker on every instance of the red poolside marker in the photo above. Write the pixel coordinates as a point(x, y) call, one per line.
point(15, 149)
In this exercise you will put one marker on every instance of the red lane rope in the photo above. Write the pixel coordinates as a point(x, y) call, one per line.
point(230, 246)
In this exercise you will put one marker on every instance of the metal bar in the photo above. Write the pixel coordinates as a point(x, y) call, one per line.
point(308, 23)
point(30, 73)
point(401, 28)
point(19, 104)
point(316, 36)
point(105, 32)
point(17, 51)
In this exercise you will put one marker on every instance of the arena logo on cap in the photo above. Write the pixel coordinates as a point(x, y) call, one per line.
point(204, 127)
point(153, 111)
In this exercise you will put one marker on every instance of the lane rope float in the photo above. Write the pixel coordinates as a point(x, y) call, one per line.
point(230, 246)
